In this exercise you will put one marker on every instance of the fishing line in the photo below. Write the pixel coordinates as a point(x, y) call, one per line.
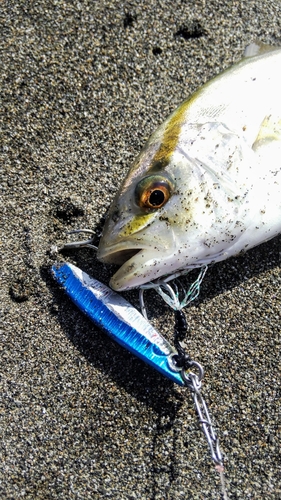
point(171, 295)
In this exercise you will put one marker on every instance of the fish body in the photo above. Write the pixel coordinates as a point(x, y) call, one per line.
point(207, 184)
point(119, 319)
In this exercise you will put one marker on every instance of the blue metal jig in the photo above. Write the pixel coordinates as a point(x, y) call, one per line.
point(119, 319)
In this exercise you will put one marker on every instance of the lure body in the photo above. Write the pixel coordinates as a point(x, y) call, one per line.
point(207, 184)
point(118, 318)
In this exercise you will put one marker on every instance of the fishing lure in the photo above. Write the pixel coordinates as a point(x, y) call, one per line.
point(131, 329)
point(119, 319)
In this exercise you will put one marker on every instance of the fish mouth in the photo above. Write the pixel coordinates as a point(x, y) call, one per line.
point(138, 265)
point(125, 255)
point(117, 254)
point(118, 257)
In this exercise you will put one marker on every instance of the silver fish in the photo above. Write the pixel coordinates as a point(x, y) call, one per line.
point(207, 184)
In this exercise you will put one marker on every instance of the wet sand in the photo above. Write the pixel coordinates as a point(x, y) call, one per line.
point(83, 84)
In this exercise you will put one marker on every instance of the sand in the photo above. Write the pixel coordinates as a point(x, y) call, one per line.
point(83, 84)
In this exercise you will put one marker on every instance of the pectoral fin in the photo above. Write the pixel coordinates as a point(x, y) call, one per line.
point(269, 131)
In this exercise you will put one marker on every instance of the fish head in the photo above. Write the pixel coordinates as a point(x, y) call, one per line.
point(149, 216)
point(174, 211)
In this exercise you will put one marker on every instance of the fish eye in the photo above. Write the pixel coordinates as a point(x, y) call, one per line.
point(157, 198)
point(153, 191)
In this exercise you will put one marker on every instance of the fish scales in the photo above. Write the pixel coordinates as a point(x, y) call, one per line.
point(207, 184)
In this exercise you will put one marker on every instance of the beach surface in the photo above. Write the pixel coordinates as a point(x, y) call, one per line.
point(83, 85)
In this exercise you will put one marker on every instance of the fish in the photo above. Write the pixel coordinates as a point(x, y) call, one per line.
point(207, 184)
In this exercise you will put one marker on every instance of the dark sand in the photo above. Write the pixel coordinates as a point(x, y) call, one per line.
point(83, 84)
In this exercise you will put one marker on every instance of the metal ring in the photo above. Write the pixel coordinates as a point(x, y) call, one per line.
point(200, 369)
point(172, 363)
point(185, 375)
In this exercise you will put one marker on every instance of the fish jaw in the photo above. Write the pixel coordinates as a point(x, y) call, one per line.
point(143, 262)
point(142, 259)
point(147, 265)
